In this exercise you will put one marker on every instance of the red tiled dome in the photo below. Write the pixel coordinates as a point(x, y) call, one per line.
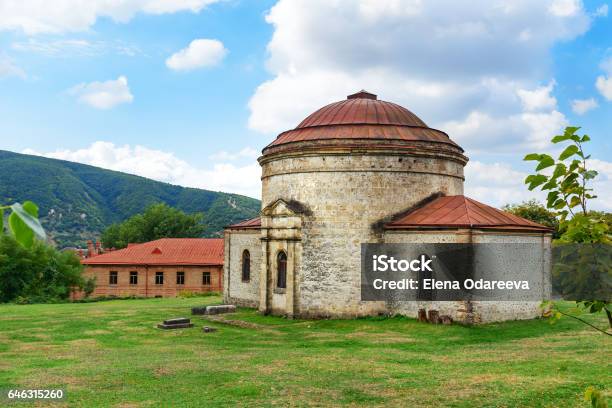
point(362, 108)
point(362, 116)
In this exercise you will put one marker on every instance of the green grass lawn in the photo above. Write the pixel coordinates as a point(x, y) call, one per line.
point(111, 354)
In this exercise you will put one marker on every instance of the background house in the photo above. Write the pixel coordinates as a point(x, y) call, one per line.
point(164, 267)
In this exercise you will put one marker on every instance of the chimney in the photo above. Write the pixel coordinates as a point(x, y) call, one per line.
point(98, 247)
point(80, 253)
point(90, 249)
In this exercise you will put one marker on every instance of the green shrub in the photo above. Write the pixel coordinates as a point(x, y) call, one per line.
point(37, 274)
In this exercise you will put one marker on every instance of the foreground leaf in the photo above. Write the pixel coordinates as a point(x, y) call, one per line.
point(535, 180)
point(568, 152)
point(545, 161)
point(532, 156)
point(24, 223)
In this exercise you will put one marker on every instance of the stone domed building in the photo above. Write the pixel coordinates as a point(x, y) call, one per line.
point(359, 171)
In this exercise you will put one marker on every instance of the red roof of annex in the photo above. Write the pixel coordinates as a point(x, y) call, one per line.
point(165, 251)
point(462, 212)
point(447, 212)
point(253, 223)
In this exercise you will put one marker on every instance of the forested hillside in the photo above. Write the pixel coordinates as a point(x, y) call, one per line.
point(78, 201)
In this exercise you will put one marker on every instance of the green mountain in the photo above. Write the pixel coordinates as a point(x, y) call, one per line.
point(78, 201)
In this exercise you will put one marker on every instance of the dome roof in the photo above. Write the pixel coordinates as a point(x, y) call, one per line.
point(362, 116)
point(362, 108)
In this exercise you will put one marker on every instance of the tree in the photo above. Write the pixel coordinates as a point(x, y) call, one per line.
point(158, 221)
point(536, 212)
point(569, 195)
point(31, 270)
point(39, 273)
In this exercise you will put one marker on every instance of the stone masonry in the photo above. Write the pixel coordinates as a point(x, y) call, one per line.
point(333, 183)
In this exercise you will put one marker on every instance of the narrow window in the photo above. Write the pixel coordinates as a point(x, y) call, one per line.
point(281, 267)
point(159, 278)
point(205, 278)
point(112, 278)
point(133, 278)
point(180, 278)
point(246, 266)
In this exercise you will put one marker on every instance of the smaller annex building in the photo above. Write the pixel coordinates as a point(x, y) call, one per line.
point(161, 268)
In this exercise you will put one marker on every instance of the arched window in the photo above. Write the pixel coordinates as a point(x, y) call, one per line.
point(281, 268)
point(246, 266)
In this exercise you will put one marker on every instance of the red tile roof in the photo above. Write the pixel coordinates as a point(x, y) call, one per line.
point(166, 251)
point(362, 116)
point(462, 212)
point(359, 109)
point(253, 223)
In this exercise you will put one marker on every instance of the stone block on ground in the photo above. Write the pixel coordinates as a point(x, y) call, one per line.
point(218, 309)
point(432, 316)
point(445, 319)
point(198, 310)
point(177, 323)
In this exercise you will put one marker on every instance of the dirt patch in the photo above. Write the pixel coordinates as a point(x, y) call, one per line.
point(96, 332)
point(162, 371)
point(383, 338)
point(83, 343)
point(128, 405)
point(242, 324)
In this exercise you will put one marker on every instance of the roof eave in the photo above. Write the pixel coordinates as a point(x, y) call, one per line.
point(514, 228)
point(151, 263)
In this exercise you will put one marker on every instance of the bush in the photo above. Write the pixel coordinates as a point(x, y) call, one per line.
point(190, 294)
point(186, 294)
point(536, 212)
point(37, 274)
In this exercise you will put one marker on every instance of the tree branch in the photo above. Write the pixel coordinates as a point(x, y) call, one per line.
point(585, 322)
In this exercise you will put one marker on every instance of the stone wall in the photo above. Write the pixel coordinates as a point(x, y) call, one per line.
point(237, 291)
point(481, 311)
point(344, 196)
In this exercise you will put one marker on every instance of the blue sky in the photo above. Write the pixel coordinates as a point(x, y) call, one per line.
point(92, 82)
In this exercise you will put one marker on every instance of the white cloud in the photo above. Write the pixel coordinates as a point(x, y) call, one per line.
point(531, 128)
point(39, 16)
point(103, 95)
point(483, 133)
point(541, 127)
point(602, 184)
point(538, 98)
point(200, 53)
point(604, 82)
point(246, 153)
point(74, 46)
point(604, 86)
point(321, 51)
point(582, 106)
point(166, 167)
point(606, 65)
point(565, 8)
point(602, 11)
point(8, 68)
point(498, 184)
